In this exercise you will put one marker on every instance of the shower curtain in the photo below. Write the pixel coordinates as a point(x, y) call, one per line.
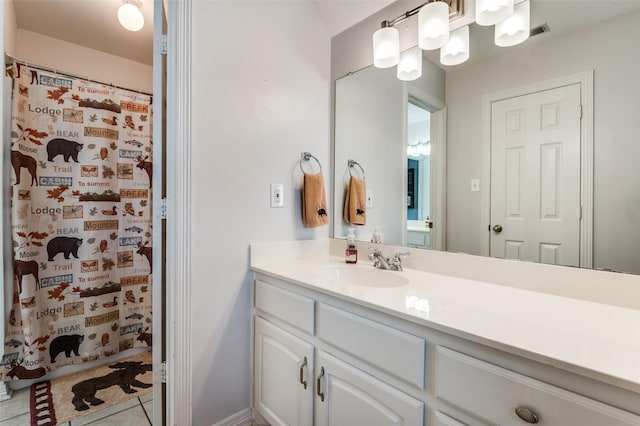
point(80, 222)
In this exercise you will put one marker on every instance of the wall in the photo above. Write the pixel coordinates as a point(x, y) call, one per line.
point(260, 96)
point(81, 61)
point(10, 28)
point(612, 50)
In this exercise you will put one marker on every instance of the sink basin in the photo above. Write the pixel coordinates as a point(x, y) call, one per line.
point(362, 276)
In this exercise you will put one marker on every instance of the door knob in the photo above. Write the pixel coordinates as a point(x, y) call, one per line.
point(497, 228)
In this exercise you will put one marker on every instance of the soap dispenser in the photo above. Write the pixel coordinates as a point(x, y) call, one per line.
point(351, 252)
point(376, 237)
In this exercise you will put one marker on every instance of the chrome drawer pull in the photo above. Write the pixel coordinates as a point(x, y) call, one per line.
point(320, 394)
point(527, 415)
point(304, 364)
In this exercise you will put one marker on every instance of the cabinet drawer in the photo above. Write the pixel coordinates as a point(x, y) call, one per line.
point(494, 394)
point(290, 307)
point(394, 351)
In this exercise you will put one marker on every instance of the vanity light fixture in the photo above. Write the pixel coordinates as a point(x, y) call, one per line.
point(516, 28)
point(456, 51)
point(492, 12)
point(386, 46)
point(410, 65)
point(130, 15)
point(433, 25)
point(419, 149)
point(511, 22)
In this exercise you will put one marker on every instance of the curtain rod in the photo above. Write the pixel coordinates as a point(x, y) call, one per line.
point(9, 61)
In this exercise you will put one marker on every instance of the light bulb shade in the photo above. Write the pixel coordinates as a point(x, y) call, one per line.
point(410, 65)
point(456, 51)
point(130, 16)
point(492, 12)
point(516, 28)
point(433, 25)
point(386, 47)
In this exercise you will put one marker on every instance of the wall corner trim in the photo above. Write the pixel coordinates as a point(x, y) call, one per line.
point(178, 175)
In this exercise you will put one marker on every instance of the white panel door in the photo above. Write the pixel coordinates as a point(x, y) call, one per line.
point(283, 376)
point(535, 177)
point(346, 395)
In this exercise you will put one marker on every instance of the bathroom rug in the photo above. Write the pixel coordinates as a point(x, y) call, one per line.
point(65, 398)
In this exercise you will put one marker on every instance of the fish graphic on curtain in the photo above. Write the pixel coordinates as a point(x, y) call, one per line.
point(81, 222)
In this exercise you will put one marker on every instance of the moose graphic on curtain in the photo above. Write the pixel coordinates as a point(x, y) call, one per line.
point(80, 222)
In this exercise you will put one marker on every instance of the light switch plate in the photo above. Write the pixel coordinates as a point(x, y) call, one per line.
point(475, 185)
point(369, 199)
point(276, 195)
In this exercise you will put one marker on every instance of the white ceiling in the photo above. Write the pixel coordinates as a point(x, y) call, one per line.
point(89, 23)
point(93, 23)
point(338, 15)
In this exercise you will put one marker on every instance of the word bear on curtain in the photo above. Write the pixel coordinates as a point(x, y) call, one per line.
point(80, 222)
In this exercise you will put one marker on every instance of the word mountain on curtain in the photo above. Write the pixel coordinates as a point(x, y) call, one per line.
point(80, 222)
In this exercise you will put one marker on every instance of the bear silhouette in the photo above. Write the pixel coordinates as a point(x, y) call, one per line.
point(64, 147)
point(124, 376)
point(66, 245)
point(67, 344)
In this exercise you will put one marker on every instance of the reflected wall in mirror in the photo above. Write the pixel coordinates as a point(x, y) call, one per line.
point(585, 36)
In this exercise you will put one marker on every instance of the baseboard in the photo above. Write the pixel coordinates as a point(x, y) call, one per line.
point(241, 418)
point(5, 391)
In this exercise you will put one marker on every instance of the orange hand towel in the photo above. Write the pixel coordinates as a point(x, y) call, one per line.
point(314, 201)
point(355, 202)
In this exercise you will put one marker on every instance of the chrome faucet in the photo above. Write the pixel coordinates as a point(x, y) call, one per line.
point(382, 262)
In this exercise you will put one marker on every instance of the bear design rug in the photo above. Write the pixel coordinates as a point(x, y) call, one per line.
point(69, 397)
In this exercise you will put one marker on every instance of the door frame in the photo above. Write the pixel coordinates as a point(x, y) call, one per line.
point(178, 227)
point(585, 80)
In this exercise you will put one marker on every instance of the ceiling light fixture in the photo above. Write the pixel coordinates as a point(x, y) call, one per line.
point(130, 15)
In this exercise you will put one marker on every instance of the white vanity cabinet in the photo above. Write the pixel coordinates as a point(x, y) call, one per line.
point(325, 359)
point(281, 397)
point(289, 388)
point(349, 396)
point(503, 397)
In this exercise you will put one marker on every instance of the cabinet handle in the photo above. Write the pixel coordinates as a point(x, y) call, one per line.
point(527, 415)
point(302, 381)
point(318, 385)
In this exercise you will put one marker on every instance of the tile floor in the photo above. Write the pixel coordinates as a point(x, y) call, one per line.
point(133, 412)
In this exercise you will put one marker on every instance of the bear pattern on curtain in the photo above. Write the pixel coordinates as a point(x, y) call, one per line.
point(80, 222)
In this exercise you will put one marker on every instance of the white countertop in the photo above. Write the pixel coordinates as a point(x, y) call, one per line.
point(598, 340)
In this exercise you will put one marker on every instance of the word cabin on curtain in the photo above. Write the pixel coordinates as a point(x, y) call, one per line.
point(80, 222)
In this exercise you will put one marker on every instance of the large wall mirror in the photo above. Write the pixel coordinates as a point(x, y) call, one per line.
point(431, 149)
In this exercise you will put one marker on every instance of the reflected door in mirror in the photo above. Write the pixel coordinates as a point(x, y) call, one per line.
point(535, 177)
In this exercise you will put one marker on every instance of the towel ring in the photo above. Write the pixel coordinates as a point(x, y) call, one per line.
point(353, 163)
point(306, 156)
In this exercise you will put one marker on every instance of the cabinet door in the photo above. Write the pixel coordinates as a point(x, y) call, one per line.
point(283, 376)
point(440, 419)
point(346, 395)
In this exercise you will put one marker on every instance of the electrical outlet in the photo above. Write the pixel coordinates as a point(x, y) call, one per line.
point(276, 195)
